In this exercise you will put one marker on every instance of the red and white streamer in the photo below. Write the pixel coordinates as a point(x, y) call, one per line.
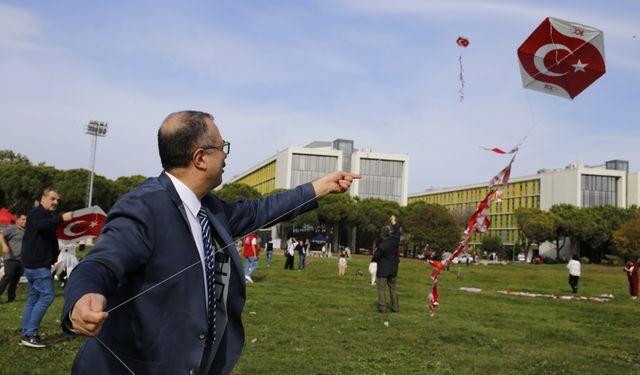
point(479, 222)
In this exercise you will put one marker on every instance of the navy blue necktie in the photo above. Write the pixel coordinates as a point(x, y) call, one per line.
point(210, 271)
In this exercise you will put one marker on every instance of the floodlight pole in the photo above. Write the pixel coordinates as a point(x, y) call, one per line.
point(95, 129)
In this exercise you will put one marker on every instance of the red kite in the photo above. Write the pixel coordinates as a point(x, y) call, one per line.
point(562, 58)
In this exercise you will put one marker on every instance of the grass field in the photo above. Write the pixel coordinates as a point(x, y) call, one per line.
point(314, 322)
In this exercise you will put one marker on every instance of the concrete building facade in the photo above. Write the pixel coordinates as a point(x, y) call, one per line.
point(384, 175)
point(579, 185)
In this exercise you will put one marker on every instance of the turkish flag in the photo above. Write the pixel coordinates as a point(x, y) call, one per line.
point(86, 223)
point(562, 58)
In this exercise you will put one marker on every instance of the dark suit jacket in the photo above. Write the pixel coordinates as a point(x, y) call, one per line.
point(386, 255)
point(146, 243)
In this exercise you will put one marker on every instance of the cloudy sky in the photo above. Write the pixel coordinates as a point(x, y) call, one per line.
point(284, 73)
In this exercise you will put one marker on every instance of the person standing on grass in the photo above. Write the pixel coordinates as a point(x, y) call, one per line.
point(631, 269)
point(289, 254)
point(302, 253)
point(342, 264)
point(11, 242)
point(162, 289)
point(269, 251)
point(251, 256)
point(387, 257)
point(574, 272)
point(39, 253)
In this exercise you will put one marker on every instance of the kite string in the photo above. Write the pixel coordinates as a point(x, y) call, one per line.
point(217, 251)
point(185, 269)
point(461, 91)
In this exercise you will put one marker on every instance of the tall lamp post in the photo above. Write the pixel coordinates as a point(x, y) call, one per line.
point(95, 129)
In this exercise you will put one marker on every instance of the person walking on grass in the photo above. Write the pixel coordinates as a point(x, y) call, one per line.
point(11, 242)
point(574, 272)
point(39, 253)
point(250, 252)
point(269, 251)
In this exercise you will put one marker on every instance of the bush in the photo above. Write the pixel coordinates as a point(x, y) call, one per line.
point(585, 260)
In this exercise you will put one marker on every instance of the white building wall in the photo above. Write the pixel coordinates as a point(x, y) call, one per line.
point(559, 186)
point(357, 156)
point(633, 193)
point(284, 163)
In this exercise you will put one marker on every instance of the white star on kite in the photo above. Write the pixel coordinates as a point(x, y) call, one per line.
point(579, 66)
point(93, 224)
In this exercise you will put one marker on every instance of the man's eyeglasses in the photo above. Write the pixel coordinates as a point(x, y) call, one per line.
point(225, 147)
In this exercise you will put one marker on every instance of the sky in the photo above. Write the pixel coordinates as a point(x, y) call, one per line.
point(283, 73)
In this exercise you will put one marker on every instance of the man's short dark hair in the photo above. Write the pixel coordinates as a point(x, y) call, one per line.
point(49, 189)
point(385, 232)
point(176, 145)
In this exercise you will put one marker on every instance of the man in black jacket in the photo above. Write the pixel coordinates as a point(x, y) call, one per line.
point(39, 252)
point(386, 255)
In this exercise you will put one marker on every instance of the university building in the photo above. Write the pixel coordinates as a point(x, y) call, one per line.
point(579, 185)
point(384, 176)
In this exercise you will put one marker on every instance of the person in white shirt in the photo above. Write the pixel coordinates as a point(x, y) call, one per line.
point(574, 273)
point(291, 248)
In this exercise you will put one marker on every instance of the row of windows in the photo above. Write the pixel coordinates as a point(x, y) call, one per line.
point(260, 176)
point(305, 168)
point(507, 205)
point(598, 190)
point(376, 167)
point(388, 188)
point(313, 163)
point(518, 189)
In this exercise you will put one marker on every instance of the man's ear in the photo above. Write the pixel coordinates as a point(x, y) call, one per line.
point(197, 159)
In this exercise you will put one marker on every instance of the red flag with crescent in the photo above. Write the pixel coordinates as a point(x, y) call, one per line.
point(86, 223)
point(562, 58)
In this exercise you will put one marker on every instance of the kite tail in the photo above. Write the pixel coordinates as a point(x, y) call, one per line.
point(479, 222)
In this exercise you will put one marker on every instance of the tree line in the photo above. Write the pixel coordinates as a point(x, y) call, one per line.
point(22, 183)
point(352, 221)
point(598, 231)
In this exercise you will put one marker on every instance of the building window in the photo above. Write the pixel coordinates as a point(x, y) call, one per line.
point(305, 168)
point(599, 190)
point(384, 179)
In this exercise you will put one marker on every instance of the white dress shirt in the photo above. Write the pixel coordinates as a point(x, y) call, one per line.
point(192, 206)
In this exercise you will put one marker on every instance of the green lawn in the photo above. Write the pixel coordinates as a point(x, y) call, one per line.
point(315, 322)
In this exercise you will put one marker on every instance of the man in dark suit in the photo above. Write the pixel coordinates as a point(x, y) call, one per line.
point(387, 257)
point(145, 290)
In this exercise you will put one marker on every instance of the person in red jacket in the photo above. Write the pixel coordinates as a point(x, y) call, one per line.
point(250, 253)
point(631, 269)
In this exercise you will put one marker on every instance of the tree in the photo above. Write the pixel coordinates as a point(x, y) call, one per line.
point(606, 220)
point(125, 184)
point(432, 225)
point(236, 191)
point(492, 244)
point(535, 226)
point(463, 214)
point(564, 214)
point(8, 156)
point(337, 211)
point(627, 237)
point(21, 184)
point(372, 214)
